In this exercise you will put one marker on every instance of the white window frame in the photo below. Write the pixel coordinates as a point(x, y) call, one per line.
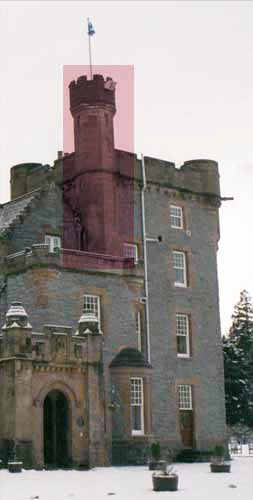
point(185, 397)
point(178, 216)
point(131, 254)
point(53, 242)
point(138, 328)
point(182, 268)
point(92, 303)
point(137, 399)
point(183, 330)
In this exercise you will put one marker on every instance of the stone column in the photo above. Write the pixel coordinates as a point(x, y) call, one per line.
point(89, 327)
point(16, 381)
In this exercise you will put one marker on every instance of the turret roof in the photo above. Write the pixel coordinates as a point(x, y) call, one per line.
point(129, 357)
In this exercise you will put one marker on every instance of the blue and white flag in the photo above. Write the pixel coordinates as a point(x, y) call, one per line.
point(91, 30)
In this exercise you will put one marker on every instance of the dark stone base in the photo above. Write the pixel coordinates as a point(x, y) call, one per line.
point(132, 452)
point(220, 467)
point(191, 455)
point(38, 467)
point(57, 466)
point(165, 483)
point(83, 466)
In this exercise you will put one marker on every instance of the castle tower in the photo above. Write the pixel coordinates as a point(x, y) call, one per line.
point(92, 104)
point(94, 177)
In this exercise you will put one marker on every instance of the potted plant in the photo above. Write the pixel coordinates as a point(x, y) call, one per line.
point(218, 463)
point(165, 480)
point(15, 466)
point(156, 462)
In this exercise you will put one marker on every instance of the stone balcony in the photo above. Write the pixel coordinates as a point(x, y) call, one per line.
point(40, 256)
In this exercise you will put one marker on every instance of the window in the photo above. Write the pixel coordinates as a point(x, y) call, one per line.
point(137, 413)
point(138, 328)
point(185, 397)
point(179, 266)
point(182, 332)
point(92, 304)
point(131, 251)
point(53, 242)
point(176, 217)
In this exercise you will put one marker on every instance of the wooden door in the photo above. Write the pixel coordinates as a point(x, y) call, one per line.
point(186, 422)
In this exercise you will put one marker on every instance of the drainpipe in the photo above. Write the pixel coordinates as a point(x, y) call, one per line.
point(143, 188)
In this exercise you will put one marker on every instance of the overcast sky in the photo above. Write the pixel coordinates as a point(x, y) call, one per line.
point(193, 64)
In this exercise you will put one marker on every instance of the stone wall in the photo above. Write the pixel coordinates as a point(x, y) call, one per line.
point(204, 368)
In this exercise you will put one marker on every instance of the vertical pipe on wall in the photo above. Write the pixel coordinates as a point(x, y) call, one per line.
point(143, 189)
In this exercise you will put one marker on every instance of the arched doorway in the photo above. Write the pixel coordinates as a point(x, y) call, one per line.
point(56, 429)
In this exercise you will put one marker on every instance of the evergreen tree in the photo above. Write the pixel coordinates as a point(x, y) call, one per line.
point(238, 364)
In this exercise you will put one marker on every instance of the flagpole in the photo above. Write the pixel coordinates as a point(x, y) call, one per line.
point(89, 37)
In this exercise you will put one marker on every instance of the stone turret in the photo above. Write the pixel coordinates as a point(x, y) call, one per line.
point(88, 324)
point(90, 185)
point(23, 176)
point(17, 332)
point(15, 390)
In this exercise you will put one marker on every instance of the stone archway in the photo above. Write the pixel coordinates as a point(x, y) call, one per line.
point(56, 429)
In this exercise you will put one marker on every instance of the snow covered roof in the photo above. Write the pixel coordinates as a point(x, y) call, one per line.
point(11, 211)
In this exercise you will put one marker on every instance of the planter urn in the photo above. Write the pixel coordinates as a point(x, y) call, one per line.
point(220, 467)
point(165, 482)
point(15, 466)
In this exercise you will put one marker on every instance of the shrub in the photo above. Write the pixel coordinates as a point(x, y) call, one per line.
point(219, 451)
point(156, 451)
point(193, 455)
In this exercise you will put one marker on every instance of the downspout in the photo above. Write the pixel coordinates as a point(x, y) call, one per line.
point(143, 189)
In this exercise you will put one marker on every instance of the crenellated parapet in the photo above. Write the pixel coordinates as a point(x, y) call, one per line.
point(28, 177)
point(95, 91)
point(195, 176)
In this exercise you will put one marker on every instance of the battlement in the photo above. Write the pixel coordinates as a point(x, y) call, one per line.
point(20, 175)
point(196, 176)
point(27, 177)
point(199, 176)
point(95, 91)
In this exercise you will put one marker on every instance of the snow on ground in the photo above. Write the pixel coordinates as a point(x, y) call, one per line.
point(129, 483)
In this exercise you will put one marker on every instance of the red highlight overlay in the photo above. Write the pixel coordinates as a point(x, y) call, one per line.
point(98, 179)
